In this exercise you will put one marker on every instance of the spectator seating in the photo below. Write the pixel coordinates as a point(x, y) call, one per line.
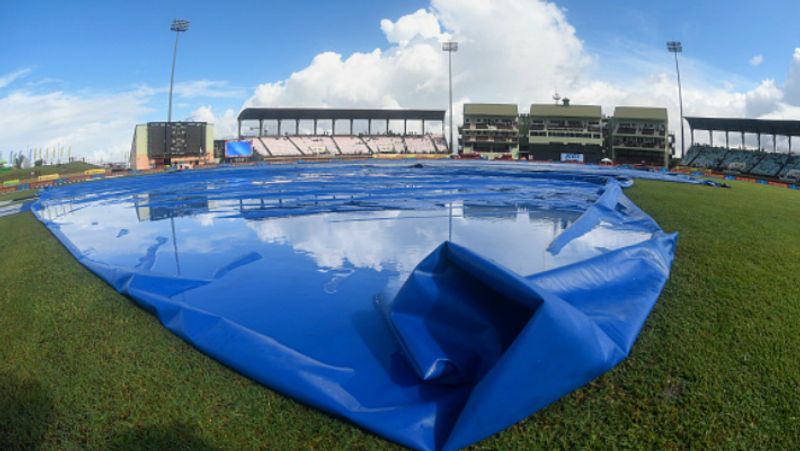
point(385, 144)
point(280, 146)
point(260, 148)
point(770, 165)
point(791, 169)
point(440, 144)
point(351, 145)
point(708, 157)
point(419, 144)
point(741, 160)
point(315, 145)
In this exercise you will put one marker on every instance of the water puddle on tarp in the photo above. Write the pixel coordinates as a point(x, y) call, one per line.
point(378, 249)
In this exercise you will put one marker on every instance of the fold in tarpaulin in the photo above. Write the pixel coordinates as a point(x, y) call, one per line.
point(434, 306)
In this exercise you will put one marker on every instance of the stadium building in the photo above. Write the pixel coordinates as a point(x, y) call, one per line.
point(179, 144)
point(567, 133)
point(639, 135)
point(763, 161)
point(491, 130)
point(563, 132)
point(286, 133)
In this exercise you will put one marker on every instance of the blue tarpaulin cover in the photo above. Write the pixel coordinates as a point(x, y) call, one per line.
point(434, 304)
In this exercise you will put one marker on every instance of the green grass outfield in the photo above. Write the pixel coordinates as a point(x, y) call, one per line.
point(62, 169)
point(717, 365)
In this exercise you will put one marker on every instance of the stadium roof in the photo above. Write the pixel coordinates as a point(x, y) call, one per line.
point(491, 109)
point(582, 111)
point(337, 113)
point(763, 126)
point(640, 113)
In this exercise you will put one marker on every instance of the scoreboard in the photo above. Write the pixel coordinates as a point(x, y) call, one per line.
point(176, 139)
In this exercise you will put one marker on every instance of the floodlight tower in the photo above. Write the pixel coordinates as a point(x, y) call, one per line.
point(675, 48)
point(450, 47)
point(178, 26)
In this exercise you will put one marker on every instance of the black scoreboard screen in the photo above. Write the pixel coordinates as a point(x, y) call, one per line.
point(176, 139)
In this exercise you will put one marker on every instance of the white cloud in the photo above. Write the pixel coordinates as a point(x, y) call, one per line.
point(792, 87)
point(756, 60)
point(11, 77)
point(225, 126)
point(422, 24)
point(98, 126)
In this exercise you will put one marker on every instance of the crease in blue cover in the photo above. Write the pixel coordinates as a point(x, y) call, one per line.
point(461, 348)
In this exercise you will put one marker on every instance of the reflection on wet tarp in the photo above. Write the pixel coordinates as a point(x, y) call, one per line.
point(275, 270)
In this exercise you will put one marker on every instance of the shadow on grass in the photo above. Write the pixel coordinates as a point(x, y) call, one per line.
point(26, 412)
point(175, 436)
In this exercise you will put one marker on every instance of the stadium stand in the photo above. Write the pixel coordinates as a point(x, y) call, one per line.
point(260, 148)
point(791, 169)
point(385, 144)
point(740, 161)
point(440, 144)
point(791, 175)
point(351, 145)
point(420, 144)
point(690, 156)
point(281, 146)
point(770, 165)
point(315, 145)
point(707, 157)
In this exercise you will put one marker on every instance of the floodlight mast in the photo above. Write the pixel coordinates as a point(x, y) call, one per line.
point(676, 47)
point(178, 26)
point(450, 47)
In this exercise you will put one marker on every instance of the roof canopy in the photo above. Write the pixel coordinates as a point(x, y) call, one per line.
point(491, 109)
point(763, 126)
point(640, 113)
point(567, 111)
point(331, 113)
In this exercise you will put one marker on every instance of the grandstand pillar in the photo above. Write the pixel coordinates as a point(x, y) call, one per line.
point(743, 141)
point(387, 126)
point(727, 140)
point(261, 127)
point(759, 142)
point(297, 126)
point(351, 126)
point(423, 127)
point(405, 126)
point(790, 145)
point(711, 137)
point(315, 127)
point(774, 142)
point(240, 129)
point(691, 132)
point(369, 126)
point(279, 127)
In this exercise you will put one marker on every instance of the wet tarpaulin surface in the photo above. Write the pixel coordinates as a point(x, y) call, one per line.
point(432, 304)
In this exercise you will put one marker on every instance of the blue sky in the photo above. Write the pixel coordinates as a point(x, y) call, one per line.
point(90, 51)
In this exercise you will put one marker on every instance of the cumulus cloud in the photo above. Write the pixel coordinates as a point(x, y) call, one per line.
point(225, 125)
point(756, 60)
point(422, 24)
point(792, 87)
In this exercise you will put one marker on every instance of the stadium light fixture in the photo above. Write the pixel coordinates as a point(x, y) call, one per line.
point(178, 26)
point(676, 47)
point(450, 47)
